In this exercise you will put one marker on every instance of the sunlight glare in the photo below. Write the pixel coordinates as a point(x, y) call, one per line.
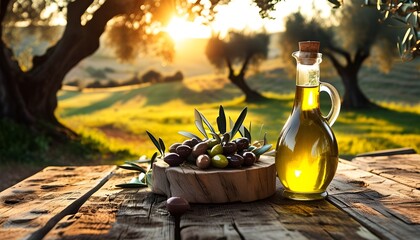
point(180, 29)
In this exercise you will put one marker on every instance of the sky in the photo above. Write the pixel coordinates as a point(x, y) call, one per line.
point(241, 14)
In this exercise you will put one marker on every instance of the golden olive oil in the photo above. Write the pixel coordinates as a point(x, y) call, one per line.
point(307, 152)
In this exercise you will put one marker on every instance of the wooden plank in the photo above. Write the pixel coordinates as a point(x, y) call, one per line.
point(387, 207)
point(404, 169)
point(29, 209)
point(115, 213)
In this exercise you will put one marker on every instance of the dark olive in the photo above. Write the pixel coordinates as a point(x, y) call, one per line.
point(195, 141)
point(229, 148)
point(242, 143)
point(177, 206)
point(249, 158)
point(188, 142)
point(184, 151)
point(235, 160)
point(173, 159)
point(199, 149)
point(191, 142)
point(173, 147)
point(203, 161)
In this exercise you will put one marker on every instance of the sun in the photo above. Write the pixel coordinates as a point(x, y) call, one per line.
point(180, 29)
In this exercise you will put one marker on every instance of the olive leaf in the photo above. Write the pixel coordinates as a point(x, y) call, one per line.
point(221, 120)
point(262, 150)
point(207, 123)
point(238, 122)
point(132, 166)
point(189, 135)
point(162, 146)
point(245, 132)
point(231, 123)
point(135, 182)
point(156, 143)
point(143, 161)
point(199, 123)
point(152, 160)
point(200, 128)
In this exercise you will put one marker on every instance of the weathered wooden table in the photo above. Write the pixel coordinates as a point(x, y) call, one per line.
point(370, 198)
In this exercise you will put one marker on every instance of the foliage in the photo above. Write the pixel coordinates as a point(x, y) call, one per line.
point(405, 12)
point(237, 48)
point(240, 50)
point(347, 45)
point(223, 135)
point(133, 27)
point(19, 144)
point(144, 179)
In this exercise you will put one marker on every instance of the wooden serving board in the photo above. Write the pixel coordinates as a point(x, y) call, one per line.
point(214, 185)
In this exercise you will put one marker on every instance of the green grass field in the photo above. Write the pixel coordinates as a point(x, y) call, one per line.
point(120, 119)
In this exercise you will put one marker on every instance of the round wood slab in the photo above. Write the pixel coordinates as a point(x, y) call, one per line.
point(214, 185)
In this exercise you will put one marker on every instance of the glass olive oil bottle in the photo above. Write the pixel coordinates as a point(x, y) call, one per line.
point(307, 152)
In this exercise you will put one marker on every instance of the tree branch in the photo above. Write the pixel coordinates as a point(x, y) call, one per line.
point(361, 56)
point(230, 67)
point(341, 52)
point(80, 41)
point(335, 62)
point(245, 64)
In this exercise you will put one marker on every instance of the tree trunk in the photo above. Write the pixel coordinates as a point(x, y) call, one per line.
point(30, 97)
point(250, 95)
point(239, 80)
point(353, 97)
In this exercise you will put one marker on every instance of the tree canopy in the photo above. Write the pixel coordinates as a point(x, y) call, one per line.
point(240, 50)
point(347, 41)
point(29, 94)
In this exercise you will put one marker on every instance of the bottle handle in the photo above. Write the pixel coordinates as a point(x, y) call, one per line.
point(335, 100)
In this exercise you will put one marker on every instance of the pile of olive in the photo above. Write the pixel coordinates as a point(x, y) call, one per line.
point(235, 153)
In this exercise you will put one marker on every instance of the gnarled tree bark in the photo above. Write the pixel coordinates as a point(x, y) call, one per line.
point(348, 71)
point(30, 97)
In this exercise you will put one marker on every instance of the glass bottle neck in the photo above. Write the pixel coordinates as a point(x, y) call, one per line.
point(307, 70)
point(307, 75)
point(307, 98)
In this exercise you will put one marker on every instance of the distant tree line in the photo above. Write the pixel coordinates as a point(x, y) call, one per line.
point(151, 76)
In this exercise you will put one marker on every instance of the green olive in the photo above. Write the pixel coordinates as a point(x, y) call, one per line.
point(219, 161)
point(217, 149)
point(211, 142)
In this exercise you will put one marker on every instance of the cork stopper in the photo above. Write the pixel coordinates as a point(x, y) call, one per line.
point(308, 52)
point(309, 46)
